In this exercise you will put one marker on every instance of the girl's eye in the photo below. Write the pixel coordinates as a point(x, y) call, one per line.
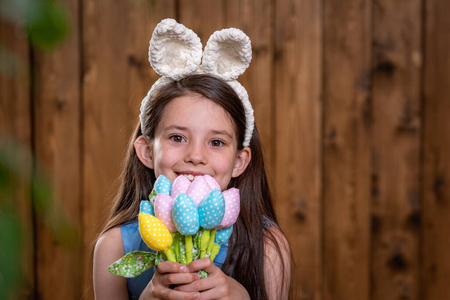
point(177, 138)
point(216, 143)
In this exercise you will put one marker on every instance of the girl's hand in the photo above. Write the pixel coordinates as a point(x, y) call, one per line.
point(167, 274)
point(216, 286)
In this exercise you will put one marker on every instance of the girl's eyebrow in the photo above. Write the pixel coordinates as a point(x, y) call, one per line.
point(222, 132)
point(176, 127)
point(213, 131)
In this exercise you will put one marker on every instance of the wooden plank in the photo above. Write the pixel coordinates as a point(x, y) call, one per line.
point(436, 158)
point(297, 138)
point(57, 146)
point(203, 17)
point(255, 18)
point(347, 150)
point(15, 123)
point(116, 76)
point(396, 149)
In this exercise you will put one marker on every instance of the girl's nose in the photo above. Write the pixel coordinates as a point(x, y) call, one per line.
point(195, 154)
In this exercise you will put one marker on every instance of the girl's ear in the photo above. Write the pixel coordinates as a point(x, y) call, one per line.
point(242, 160)
point(144, 151)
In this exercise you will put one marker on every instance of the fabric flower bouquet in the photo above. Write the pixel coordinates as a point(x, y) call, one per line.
point(182, 222)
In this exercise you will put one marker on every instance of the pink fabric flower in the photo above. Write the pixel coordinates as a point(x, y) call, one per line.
point(199, 189)
point(232, 207)
point(163, 211)
point(180, 186)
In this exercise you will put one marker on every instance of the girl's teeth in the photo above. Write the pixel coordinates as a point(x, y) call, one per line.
point(190, 176)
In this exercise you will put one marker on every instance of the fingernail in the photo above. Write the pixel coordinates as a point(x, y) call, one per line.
point(182, 269)
point(196, 295)
point(197, 277)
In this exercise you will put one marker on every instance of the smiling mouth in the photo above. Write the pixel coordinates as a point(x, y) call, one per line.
point(190, 177)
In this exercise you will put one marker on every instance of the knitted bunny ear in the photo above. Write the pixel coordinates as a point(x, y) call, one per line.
point(227, 54)
point(175, 51)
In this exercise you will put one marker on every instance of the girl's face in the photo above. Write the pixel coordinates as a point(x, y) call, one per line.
point(196, 136)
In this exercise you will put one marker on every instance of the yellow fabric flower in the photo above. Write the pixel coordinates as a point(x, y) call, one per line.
point(154, 233)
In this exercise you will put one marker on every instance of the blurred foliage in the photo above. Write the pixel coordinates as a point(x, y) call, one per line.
point(10, 271)
point(15, 174)
point(45, 23)
point(24, 184)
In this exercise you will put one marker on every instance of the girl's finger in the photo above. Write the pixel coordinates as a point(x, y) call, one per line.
point(196, 286)
point(178, 278)
point(202, 264)
point(209, 287)
point(175, 295)
point(212, 294)
point(170, 267)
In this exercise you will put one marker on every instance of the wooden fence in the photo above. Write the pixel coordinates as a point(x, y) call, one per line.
point(352, 99)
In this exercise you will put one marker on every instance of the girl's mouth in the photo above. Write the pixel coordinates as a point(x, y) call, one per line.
point(190, 177)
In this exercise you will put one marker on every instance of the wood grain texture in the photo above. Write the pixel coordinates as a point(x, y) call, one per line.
point(203, 17)
point(57, 146)
point(255, 18)
point(436, 157)
point(297, 139)
point(347, 150)
point(15, 124)
point(395, 114)
point(351, 99)
point(116, 77)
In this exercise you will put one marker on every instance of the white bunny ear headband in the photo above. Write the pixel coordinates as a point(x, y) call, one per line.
point(176, 52)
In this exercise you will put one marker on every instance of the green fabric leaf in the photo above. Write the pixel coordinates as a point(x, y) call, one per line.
point(152, 196)
point(159, 258)
point(202, 273)
point(133, 264)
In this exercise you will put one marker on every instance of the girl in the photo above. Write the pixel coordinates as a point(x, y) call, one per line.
point(197, 125)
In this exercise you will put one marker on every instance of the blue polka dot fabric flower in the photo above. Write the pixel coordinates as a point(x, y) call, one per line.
point(194, 212)
point(185, 215)
point(163, 185)
point(211, 210)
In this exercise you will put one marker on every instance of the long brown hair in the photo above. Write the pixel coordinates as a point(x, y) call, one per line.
point(245, 259)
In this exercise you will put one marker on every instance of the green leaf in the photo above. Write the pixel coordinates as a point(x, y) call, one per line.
point(10, 263)
point(133, 264)
point(202, 273)
point(152, 196)
point(47, 23)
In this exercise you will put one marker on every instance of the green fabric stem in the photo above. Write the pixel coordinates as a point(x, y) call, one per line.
point(214, 251)
point(204, 241)
point(170, 255)
point(182, 251)
point(212, 235)
point(175, 243)
point(188, 245)
point(196, 246)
